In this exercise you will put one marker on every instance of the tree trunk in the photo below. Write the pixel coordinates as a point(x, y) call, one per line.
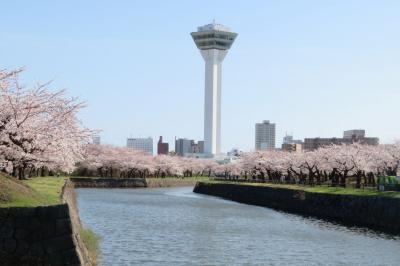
point(14, 172)
point(21, 173)
point(365, 179)
point(358, 179)
point(343, 178)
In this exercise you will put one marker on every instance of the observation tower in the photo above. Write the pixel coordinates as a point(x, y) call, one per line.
point(214, 41)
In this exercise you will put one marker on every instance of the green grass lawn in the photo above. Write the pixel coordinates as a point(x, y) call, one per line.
point(49, 187)
point(29, 193)
point(353, 191)
point(322, 189)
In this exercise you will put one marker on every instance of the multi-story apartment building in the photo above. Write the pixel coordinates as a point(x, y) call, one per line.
point(188, 147)
point(183, 146)
point(141, 144)
point(350, 136)
point(265, 136)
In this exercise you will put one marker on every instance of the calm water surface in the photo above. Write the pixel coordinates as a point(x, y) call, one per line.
point(175, 226)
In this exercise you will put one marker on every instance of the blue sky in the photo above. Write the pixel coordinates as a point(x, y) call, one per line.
point(315, 68)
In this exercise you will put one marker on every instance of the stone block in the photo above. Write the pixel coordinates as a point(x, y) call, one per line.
point(46, 213)
point(9, 221)
point(48, 228)
point(6, 231)
point(22, 248)
point(57, 259)
point(3, 213)
point(35, 236)
point(42, 213)
point(36, 250)
point(22, 211)
point(34, 224)
point(22, 222)
point(63, 211)
point(59, 244)
point(21, 233)
point(71, 256)
point(9, 245)
point(63, 226)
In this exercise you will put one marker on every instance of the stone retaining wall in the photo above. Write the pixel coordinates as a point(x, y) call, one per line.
point(382, 213)
point(88, 182)
point(170, 182)
point(45, 235)
point(69, 197)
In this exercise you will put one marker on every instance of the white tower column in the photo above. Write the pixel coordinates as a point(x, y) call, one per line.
point(212, 100)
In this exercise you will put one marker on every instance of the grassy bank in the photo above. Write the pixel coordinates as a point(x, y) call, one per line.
point(30, 193)
point(91, 241)
point(322, 189)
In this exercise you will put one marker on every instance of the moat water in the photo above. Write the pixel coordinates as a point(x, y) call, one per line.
point(174, 226)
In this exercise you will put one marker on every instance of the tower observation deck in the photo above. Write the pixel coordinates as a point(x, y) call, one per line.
point(213, 41)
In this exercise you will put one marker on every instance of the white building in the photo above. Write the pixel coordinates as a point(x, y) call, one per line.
point(265, 136)
point(214, 41)
point(141, 144)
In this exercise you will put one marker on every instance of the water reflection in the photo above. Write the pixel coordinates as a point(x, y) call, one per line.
point(174, 226)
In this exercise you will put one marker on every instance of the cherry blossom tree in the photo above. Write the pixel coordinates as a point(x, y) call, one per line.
point(332, 165)
point(38, 127)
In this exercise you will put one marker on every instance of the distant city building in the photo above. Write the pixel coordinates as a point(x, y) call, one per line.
point(354, 133)
point(350, 136)
point(234, 152)
point(288, 139)
point(265, 136)
point(200, 144)
point(183, 146)
point(292, 147)
point(141, 144)
point(195, 147)
point(189, 148)
point(162, 147)
point(96, 139)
